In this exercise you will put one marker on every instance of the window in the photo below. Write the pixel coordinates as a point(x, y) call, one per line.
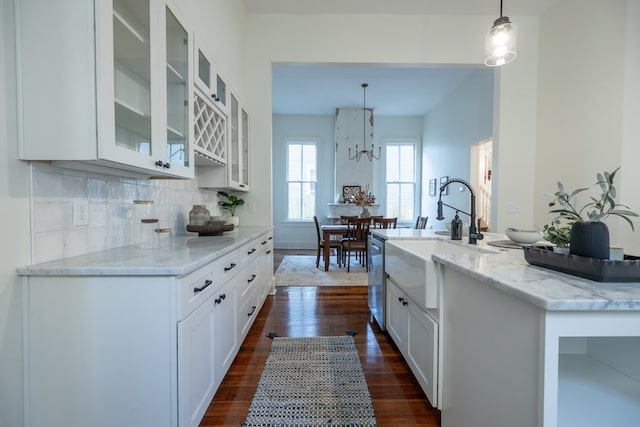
point(401, 180)
point(301, 180)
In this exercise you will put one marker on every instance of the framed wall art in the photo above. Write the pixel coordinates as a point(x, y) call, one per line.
point(443, 181)
point(432, 187)
point(349, 192)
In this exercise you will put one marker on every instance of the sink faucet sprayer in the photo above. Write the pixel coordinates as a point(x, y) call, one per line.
point(474, 233)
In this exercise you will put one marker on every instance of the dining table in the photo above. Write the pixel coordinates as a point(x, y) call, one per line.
point(327, 232)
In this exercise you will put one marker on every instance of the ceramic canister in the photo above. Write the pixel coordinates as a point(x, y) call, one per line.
point(199, 215)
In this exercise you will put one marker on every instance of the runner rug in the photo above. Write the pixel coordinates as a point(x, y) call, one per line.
point(312, 382)
point(300, 270)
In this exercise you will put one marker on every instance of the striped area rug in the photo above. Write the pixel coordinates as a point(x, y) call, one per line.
point(312, 382)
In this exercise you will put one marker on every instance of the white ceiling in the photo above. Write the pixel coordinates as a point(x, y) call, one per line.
point(393, 90)
point(399, 7)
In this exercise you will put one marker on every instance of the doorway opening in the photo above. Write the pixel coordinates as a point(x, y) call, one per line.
point(480, 174)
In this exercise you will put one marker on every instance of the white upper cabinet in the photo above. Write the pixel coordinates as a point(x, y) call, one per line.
point(210, 115)
point(113, 94)
point(235, 175)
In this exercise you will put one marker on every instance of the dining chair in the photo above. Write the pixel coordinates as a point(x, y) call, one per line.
point(345, 218)
point(335, 244)
point(421, 222)
point(385, 223)
point(356, 241)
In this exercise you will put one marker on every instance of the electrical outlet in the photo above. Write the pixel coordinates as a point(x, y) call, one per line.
point(80, 212)
point(251, 207)
point(513, 207)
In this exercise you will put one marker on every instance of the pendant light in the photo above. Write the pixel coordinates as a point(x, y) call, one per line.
point(369, 153)
point(500, 42)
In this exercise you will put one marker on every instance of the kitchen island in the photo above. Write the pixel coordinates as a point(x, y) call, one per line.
point(525, 346)
point(140, 337)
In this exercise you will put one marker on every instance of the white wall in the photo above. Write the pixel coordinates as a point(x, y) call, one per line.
point(629, 193)
point(14, 215)
point(302, 235)
point(442, 40)
point(462, 119)
point(588, 102)
point(294, 234)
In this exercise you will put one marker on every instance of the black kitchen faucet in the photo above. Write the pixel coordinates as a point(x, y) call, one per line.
point(474, 232)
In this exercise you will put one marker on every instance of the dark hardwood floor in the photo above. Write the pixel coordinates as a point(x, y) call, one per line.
point(322, 311)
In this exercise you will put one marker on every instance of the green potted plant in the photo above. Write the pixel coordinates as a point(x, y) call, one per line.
point(229, 203)
point(557, 234)
point(589, 236)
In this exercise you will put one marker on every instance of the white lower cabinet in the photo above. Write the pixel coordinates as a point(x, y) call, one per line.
point(196, 364)
point(135, 351)
point(416, 336)
point(225, 338)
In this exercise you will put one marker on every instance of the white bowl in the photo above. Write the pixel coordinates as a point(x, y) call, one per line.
point(523, 237)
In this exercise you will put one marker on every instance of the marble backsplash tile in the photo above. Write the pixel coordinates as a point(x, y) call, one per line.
point(111, 210)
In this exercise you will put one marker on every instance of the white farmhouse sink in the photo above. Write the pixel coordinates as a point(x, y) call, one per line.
point(408, 263)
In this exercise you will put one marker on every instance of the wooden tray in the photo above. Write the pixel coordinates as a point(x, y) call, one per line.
point(600, 270)
point(210, 230)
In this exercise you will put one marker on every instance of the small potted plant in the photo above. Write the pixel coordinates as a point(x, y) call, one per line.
point(589, 236)
point(558, 234)
point(229, 203)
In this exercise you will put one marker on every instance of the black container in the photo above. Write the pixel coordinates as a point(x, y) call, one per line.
point(627, 270)
point(456, 228)
point(590, 240)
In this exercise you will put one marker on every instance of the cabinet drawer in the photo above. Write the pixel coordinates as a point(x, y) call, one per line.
point(225, 267)
point(248, 278)
point(249, 251)
point(194, 289)
point(247, 312)
point(266, 241)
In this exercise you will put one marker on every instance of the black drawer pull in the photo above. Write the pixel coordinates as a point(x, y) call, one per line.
point(405, 303)
point(253, 309)
point(207, 283)
point(253, 277)
point(223, 296)
point(218, 300)
point(230, 267)
point(268, 252)
point(264, 242)
point(400, 299)
point(251, 251)
point(270, 237)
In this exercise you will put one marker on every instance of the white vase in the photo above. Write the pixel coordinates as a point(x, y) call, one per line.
point(234, 220)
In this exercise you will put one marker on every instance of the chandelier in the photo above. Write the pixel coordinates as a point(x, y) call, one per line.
point(369, 153)
point(500, 42)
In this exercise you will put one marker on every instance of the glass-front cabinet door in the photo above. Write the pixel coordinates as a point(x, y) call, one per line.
point(145, 87)
point(245, 147)
point(235, 142)
point(238, 167)
point(132, 109)
point(179, 92)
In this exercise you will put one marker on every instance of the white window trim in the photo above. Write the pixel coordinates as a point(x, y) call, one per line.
point(285, 188)
point(417, 197)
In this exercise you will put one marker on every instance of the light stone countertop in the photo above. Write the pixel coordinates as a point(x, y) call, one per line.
point(508, 271)
point(185, 255)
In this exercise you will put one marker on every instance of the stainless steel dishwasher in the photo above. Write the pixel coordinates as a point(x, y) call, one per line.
point(377, 279)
